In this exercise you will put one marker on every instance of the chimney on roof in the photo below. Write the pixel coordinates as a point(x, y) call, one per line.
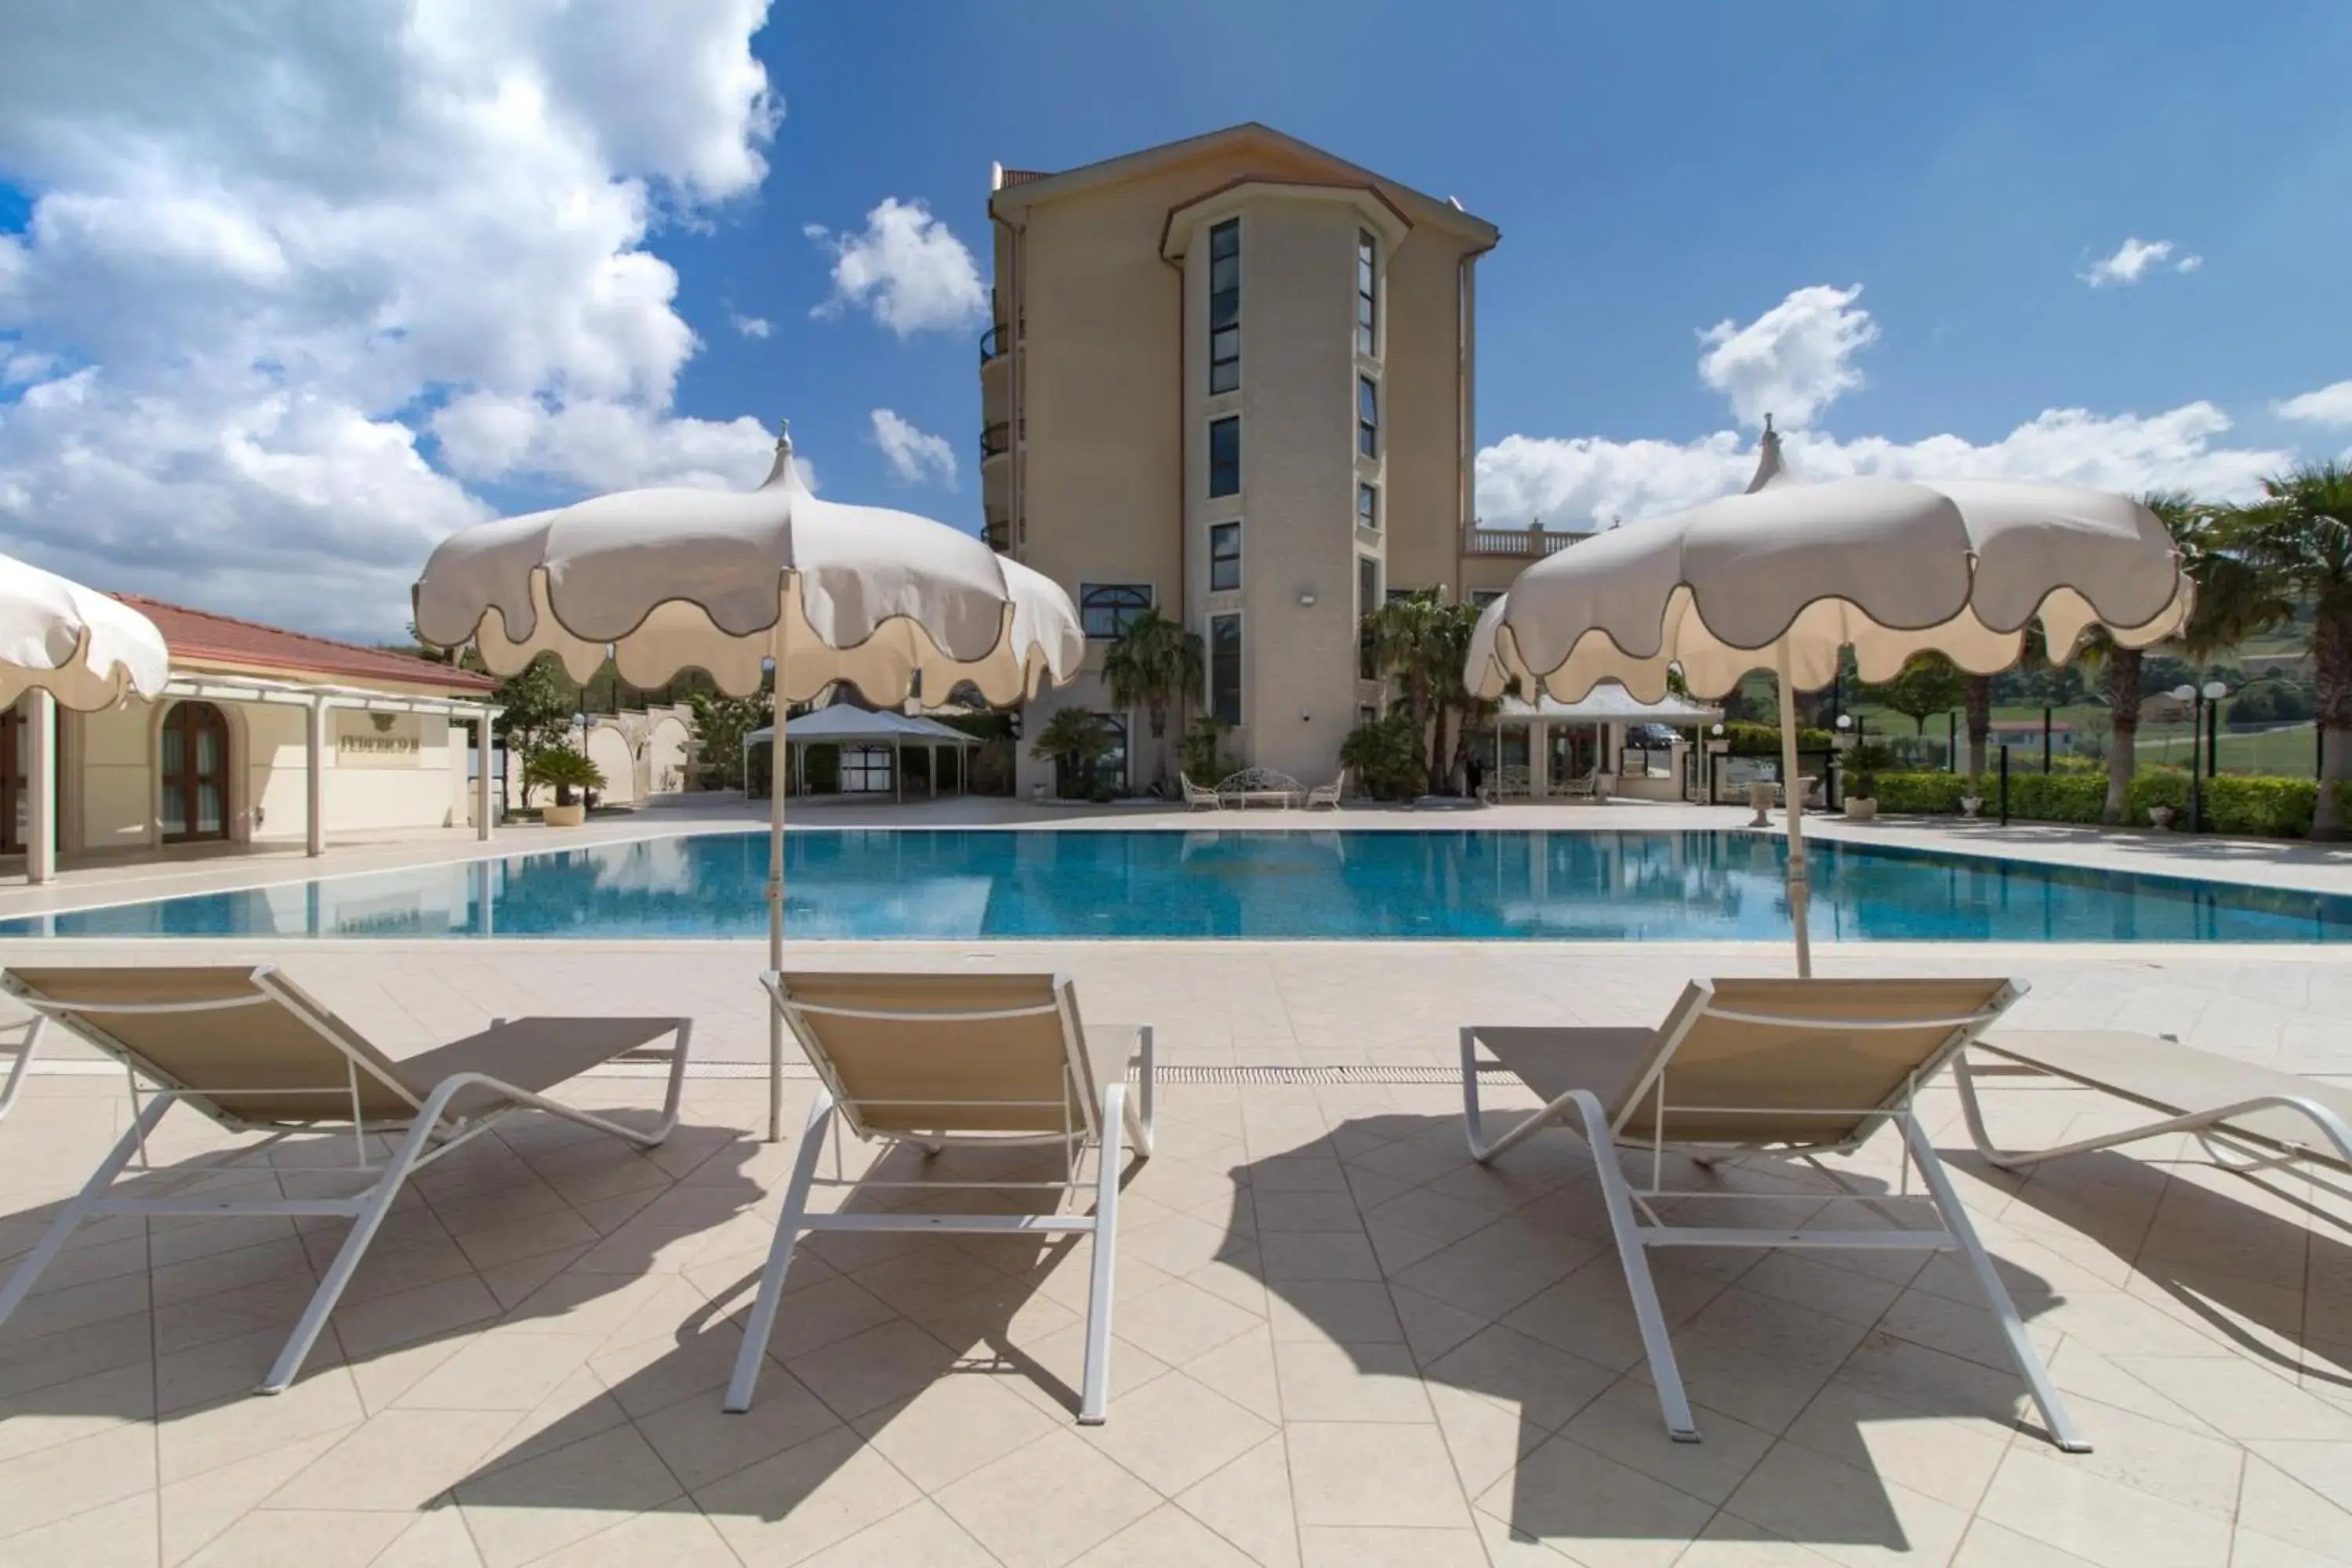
point(995, 177)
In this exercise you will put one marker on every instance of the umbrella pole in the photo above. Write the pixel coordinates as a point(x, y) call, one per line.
point(1799, 878)
point(777, 752)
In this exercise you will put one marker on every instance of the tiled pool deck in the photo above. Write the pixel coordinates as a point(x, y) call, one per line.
point(1340, 1342)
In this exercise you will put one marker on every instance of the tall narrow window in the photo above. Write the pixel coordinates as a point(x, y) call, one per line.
point(1367, 295)
point(1225, 668)
point(1367, 416)
point(1225, 457)
point(1226, 306)
point(1224, 557)
point(1368, 507)
point(1368, 599)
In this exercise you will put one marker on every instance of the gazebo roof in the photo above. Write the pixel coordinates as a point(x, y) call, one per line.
point(845, 721)
point(1608, 703)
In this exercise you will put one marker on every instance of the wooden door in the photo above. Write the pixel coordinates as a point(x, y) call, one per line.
point(194, 761)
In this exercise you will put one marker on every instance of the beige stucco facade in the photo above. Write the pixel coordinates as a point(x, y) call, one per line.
point(1098, 403)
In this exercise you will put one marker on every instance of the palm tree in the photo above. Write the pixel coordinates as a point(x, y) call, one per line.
point(2264, 560)
point(1154, 664)
point(1074, 741)
point(1411, 636)
point(1977, 698)
point(2182, 518)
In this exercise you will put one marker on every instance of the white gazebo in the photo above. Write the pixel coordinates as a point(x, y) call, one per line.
point(844, 724)
point(1608, 710)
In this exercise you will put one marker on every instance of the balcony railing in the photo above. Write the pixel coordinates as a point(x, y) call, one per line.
point(995, 440)
point(998, 531)
point(992, 342)
point(1529, 542)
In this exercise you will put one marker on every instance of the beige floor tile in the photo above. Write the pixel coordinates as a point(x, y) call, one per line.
point(276, 1538)
point(675, 1536)
point(1045, 1504)
point(2251, 1549)
point(1327, 1546)
point(57, 1482)
point(1249, 1503)
point(405, 1317)
point(1730, 1542)
point(500, 1371)
point(1825, 1287)
point(2300, 1507)
point(1588, 1506)
point(1546, 1385)
point(525, 1511)
point(1050, 1372)
point(1173, 1432)
point(701, 1443)
point(1351, 1382)
point(1336, 1311)
point(397, 1462)
point(921, 1535)
point(1626, 1423)
point(2245, 1402)
point(954, 1426)
point(1318, 1255)
point(243, 1424)
point(1848, 1515)
point(881, 1366)
point(806, 1499)
point(118, 1535)
point(1167, 1537)
point(1990, 1545)
point(1362, 1473)
point(1951, 1459)
point(1242, 1369)
point(2046, 1498)
point(81, 1408)
point(193, 1513)
point(1180, 1321)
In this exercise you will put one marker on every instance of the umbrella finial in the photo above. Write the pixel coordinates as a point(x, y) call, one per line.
point(1769, 469)
point(783, 471)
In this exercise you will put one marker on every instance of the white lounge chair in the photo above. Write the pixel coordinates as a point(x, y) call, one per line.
point(987, 1060)
point(2189, 1089)
point(1586, 788)
point(1785, 1067)
point(244, 1047)
point(1199, 799)
point(1327, 794)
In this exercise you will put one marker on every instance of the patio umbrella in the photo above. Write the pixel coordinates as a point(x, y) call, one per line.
point(728, 582)
point(77, 645)
point(1785, 575)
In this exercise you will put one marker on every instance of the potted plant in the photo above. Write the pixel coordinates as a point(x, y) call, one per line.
point(563, 770)
point(1862, 764)
point(1074, 741)
point(1971, 806)
point(2160, 818)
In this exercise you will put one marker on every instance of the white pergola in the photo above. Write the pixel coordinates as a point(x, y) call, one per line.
point(843, 724)
point(321, 701)
point(1606, 704)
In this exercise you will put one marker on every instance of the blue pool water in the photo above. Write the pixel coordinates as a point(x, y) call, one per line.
point(887, 883)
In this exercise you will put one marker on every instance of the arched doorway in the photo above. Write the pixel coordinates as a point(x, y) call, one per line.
point(192, 753)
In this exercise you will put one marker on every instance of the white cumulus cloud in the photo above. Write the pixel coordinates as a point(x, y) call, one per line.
point(750, 326)
point(905, 266)
point(913, 454)
point(2328, 406)
point(263, 263)
point(1791, 361)
point(2133, 261)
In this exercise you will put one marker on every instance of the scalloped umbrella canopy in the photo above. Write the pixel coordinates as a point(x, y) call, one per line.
point(675, 579)
point(1783, 575)
point(87, 650)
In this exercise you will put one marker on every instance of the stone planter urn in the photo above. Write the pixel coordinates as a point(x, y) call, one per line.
point(1857, 810)
point(2160, 818)
point(1971, 806)
point(1760, 795)
point(571, 815)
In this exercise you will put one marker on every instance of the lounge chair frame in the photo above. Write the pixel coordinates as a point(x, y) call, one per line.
point(2268, 1091)
point(429, 1132)
point(1637, 1228)
point(1199, 799)
point(1099, 1128)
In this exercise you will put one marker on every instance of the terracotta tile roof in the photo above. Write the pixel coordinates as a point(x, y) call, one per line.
point(201, 637)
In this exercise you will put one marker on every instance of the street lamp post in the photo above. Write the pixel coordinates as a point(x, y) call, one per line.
point(2195, 699)
point(2214, 693)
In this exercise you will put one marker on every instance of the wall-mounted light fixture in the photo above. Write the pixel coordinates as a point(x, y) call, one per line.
point(1305, 598)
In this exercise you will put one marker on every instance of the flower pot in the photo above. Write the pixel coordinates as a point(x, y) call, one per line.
point(571, 815)
point(1860, 810)
point(1971, 805)
point(2160, 818)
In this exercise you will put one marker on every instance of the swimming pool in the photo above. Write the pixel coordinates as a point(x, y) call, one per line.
point(961, 884)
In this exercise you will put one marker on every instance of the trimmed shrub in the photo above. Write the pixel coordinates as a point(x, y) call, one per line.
point(1921, 793)
point(1764, 740)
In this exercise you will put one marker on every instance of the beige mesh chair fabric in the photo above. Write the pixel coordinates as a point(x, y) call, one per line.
point(244, 1046)
point(943, 1059)
point(2191, 1090)
point(1767, 1069)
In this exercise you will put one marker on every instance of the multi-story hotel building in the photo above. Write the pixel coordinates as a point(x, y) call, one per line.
point(1232, 378)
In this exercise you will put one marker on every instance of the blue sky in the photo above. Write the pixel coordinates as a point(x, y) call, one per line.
point(288, 293)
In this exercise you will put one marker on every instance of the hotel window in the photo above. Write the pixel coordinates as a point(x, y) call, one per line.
point(1482, 597)
point(1367, 416)
point(1224, 557)
point(1226, 306)
point(1225, 669)
point(1368, 507)
point(866, 770)
point(1368, 599)
point(1225, 457)
point(1106, 607)
point(1367, 297)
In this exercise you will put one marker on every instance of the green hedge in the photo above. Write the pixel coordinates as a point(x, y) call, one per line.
point(2256, 807)
point(1751, 739)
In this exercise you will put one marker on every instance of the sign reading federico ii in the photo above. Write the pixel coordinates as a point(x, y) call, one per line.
point(378, 740)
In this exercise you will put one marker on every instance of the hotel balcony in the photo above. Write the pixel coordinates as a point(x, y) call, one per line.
point(996, 440)
point(1531, 543)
